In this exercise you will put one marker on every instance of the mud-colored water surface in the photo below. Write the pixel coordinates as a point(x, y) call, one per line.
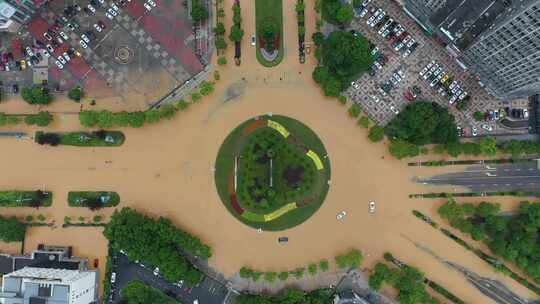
point(166, 169)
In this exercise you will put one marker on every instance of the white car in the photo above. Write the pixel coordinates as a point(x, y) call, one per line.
point(375, 98)
point(112, 12)
point(46, 53)
point(63, 35)
point(423, 71)
point(525, 113)
point(398, 47)
point(370, 21)
point(59, 64)
point(487, 127)
point(156, 271)
point(50, 48)
point(355, 85)
point(83, 44)
point(109, 16)
point(85, 38)
point(62, 60)
point(29, 51)
point(122, 251)
point(102, 2)
point(97, 27)
point(115, 7)
point(66, 56)
point(474, 131)
point(372, 207)
point(374, 51)
point(91, 8)
point(394, 109)
point(378, 65)
point(341, 215)
point(463, 95)
point(113, 277)
point(452, 100)
point(407, 53)
point(363, 13)
point(152, 3)
point(47, 36)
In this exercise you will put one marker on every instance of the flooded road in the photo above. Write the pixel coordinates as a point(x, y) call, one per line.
point(166, 169)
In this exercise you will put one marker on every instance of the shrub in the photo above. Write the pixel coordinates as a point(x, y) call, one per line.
point(216, 75)
point(97, 218)
point(195, 97)
point(42, 119)
point(245, 273)
point(29, 218)
point(353, 258)
point(137, 292)
point(354, 110)
point(206, 88)
point(283, 276)
point(222, 61)
point(75, 94)
point(478, 116)
point(299, 272)
point(342, 99)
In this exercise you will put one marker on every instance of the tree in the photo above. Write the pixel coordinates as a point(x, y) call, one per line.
point(236, 33)
point(245, 273)
point(198, 11)
point(88, 118)
point(105, 119)
point(167, 111)
point(346, 56)
point(136, 292)
point(377, 278)
point(152, 116)
point(332, 87)
point(376, 133)
point(36, 95)
point(220, 43)
point(318, 38)
point(363, 122)
point(283, 276)
point(354, 110)
point(11, 229)
point(270, 276)
point(268, 32)
point(206, 88)
point(219, 29)
point(42, 119)
point(488, 146)
point(196, 96)
point(345, 14)
point(323, 264)
point(400, 149)
point(423, 123)
point(321, 74)
point(299, 7)
point(75, 94)
point(357, 3)
point(52, 139)
point(478, 116)
point(312, 269)
point(353, 258)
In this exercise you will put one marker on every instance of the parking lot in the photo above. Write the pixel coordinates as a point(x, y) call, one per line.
point(207, 292)
point(111, 49)
point(403, 51)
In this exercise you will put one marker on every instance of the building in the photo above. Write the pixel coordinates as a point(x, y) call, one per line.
point(50, 275)
point(498, 40)
point(14, 13)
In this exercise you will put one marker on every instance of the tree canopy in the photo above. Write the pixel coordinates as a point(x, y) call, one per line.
point(198, 11)
point(289, 296)
point(11, 229)
point(346, 56)
point(136, 292)
point(513, 237)
point(36, 95)
point(158, 242)
point(423, 123)
point(337, 12)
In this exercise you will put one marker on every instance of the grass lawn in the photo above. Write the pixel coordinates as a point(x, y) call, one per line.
point(24, 198)
point(75, 197)
point(269, 9)
point(295, 216)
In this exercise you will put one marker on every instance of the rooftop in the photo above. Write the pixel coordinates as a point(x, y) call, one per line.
point(464, 20)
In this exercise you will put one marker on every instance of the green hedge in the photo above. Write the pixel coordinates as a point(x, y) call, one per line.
point(81, 139)
point(80, 198)
point(15, 198)
point(139, 293)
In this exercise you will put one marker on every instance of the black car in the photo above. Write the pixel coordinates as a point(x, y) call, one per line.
point(15, 89)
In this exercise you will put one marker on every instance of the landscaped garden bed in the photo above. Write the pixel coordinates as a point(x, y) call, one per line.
point(93, 199)
point(269, 27)
point(34, 199)
point(99, 138)
point(272, 172)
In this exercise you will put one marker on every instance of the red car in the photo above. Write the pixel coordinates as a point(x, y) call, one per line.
point(408, 96)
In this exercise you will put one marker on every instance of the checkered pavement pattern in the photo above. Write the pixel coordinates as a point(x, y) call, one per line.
point(155, 49)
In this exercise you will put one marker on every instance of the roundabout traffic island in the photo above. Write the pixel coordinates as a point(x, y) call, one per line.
point(272, 173)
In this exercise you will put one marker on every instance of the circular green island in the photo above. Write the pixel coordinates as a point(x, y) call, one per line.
point(272, 172)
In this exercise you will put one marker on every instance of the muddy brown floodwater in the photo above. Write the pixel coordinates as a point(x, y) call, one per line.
point(166, 169)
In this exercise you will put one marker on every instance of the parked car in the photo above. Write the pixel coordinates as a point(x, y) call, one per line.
point(85, 38)
point(97, 27)
point(253, 41)
point(487, 127)
point(371, 207)
point(47, 36)
point(62, 60)
point(91, 8)
point(64, 36)
point(474, 131)
point(394, 109)
point(341, 215)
